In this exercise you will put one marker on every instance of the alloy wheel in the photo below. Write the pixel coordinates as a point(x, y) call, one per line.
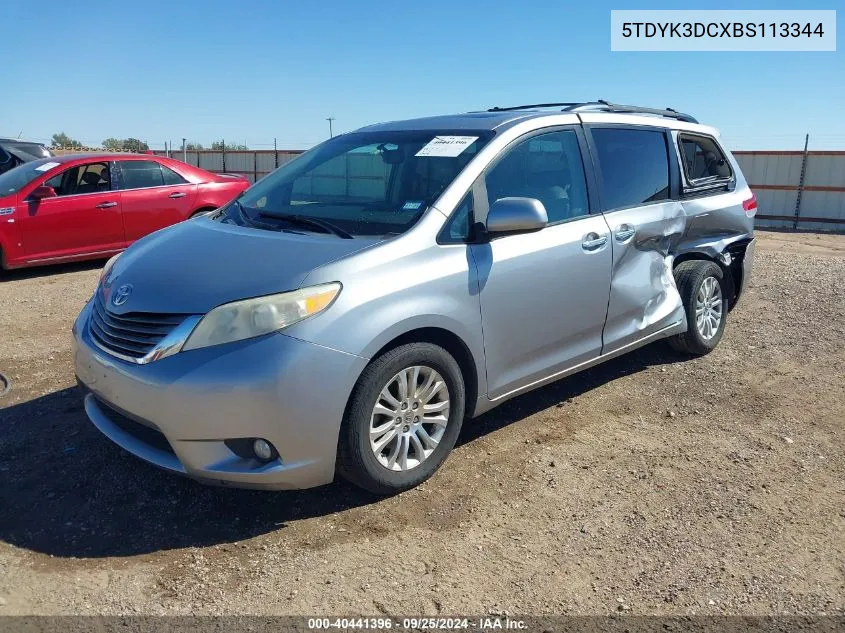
point(409, 418)
point(708, 308)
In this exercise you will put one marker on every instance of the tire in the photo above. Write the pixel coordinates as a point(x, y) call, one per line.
point(689, 277)
point(358, 461)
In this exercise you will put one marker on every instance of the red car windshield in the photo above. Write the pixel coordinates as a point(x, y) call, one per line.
point(16, 179)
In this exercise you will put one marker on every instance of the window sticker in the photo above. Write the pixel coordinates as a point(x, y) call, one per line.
point(447, 146)
point(46, 166)
point(411, 205)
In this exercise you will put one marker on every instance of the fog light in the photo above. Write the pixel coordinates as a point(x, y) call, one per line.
point(263, 450)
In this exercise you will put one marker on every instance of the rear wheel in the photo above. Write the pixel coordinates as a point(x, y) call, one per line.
point(702, 289)
point(403, 419)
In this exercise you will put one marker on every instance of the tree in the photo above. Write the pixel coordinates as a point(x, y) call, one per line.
point(192, 147)
point(125, 145)
point(63, 140)
point(134, 145)
point(230, 147)
point(113, 144)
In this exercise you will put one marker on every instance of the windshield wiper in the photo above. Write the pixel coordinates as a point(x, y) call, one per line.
point(304, 220)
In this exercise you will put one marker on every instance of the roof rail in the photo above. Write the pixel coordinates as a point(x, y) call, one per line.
point(533, 106)
point(603, 106)
point(606, 106)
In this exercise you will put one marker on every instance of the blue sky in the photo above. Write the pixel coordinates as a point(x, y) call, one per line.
point(254, 70)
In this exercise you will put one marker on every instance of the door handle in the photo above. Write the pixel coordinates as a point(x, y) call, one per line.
point(593, 241)
point(106, 205)
point(625, 232)
point(177, 194)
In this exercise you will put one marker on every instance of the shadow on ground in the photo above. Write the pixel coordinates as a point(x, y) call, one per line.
point(47, 271)
point(68, 492)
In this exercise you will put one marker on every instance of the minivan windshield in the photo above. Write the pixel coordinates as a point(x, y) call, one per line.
point(363, 183)
point(16, 179)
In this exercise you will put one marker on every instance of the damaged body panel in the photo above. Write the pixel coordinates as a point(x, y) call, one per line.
point(643, 296)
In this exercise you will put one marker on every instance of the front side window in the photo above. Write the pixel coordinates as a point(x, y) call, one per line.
point(459, 227)
point(548, 168)
point(703, 159)
point(364, 183)
point(634, 166)
point(140, 174)
point(81, 179)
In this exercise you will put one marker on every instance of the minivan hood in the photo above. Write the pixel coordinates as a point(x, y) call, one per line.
point(199, 264)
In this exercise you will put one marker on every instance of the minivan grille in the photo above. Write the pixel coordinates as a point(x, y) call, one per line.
point(133, 334)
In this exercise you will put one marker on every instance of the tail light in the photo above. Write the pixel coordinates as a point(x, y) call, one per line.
point(750, 205)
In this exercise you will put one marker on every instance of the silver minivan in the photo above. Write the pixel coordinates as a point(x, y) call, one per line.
point(349, 311)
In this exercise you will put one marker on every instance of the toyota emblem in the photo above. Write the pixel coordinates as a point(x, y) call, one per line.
point(121, 295)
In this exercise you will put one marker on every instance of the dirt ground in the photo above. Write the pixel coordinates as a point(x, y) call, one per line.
point(654, 484)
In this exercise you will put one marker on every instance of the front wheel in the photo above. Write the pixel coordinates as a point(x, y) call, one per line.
point(403, 419)
point(701, 286)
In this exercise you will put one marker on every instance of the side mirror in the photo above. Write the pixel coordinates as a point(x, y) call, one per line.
point(42, 192)
point(509, 215)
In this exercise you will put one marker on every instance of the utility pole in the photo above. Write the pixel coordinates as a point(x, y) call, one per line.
point(801, 182)
point(330, 119)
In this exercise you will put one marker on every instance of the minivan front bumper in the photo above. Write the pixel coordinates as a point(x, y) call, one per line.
point(178, 412)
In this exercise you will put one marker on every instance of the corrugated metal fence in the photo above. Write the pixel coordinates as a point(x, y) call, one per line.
point(803, 190)
point(797, 190)
point(254, 164)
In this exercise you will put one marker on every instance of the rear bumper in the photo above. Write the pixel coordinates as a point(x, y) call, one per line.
point(289, 392)
point(747, 268)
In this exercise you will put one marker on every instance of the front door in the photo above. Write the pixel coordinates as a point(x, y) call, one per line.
point(544, 294)
point(83, 217)
point(634, 175)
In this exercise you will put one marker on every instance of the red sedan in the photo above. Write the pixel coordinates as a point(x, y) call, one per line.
point(90, 206)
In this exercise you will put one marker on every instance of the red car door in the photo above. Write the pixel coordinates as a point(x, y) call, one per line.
point(153, 196)
point(83, 217)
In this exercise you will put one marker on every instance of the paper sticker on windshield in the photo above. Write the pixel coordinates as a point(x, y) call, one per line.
point(448, 146)
point(46, 166)
point(411, 205)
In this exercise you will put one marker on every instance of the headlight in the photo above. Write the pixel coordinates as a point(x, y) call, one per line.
point(253, 317)
point(107, 268)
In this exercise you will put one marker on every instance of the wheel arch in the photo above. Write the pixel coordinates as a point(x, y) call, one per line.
point(453, 344)
point(729, 272)
point(202, 209)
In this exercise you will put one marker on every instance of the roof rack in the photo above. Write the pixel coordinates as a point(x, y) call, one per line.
point(534, 106)
point(604, 106)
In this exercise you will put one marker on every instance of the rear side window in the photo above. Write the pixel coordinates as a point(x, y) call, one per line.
point(634, 166)
point(703, 159)
point(139, 174)
point(171, 177)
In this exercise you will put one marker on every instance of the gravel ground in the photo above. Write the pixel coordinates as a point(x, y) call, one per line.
point(653, 484)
